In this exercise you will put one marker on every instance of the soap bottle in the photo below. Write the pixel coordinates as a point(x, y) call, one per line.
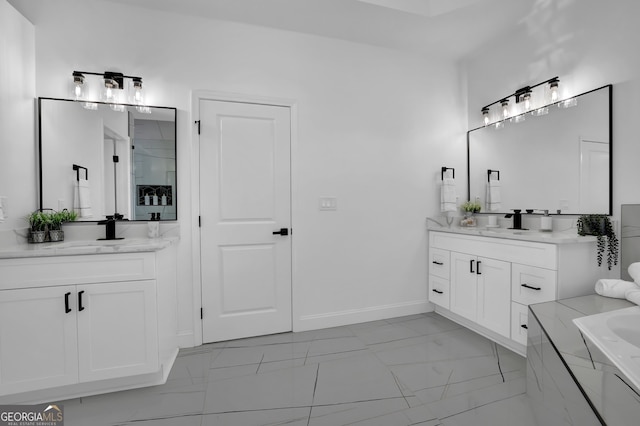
point(155, 200)
point(153, 227)
point(164, 200)
point(146, 199)
point(546, 222)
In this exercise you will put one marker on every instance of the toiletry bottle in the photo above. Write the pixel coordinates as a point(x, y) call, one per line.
point(153, 227)
point(155, 200)
point(146, 199)
point(546, 222)
point(164, 200)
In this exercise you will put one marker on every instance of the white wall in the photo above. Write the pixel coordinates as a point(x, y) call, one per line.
point(588, 44)
point(374, 128)
point(18, 166)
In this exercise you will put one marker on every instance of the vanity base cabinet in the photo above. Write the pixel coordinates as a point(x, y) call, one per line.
point(64, 341)
point(492, 281)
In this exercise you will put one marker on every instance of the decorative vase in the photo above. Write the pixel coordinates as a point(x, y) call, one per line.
point(468, 220)
point(56, 235)
point(37, 236)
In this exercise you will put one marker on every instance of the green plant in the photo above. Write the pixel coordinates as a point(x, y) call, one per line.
point(471, 207)
point(39, 221)
point(601, 227)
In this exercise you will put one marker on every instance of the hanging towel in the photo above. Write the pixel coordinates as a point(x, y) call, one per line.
point(615, 288)
point(493, 196)
point(448, 195)
point(82, 199)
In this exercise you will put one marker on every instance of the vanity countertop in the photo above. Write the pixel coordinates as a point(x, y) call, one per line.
point(608, 389)
point(567, 236)
point(74, 248)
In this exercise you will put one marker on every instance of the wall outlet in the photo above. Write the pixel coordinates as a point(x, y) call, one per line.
point(328, 203)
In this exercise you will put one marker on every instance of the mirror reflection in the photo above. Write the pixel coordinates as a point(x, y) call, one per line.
point(559, 161)
point(99, 161)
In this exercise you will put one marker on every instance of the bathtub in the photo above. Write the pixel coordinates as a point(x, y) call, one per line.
point(617, 335)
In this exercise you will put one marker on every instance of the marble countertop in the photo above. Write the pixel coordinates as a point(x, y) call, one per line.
point(567, 235)
point(81, 247)
point(608, 389)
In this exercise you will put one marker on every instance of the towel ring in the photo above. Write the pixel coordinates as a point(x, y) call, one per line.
point(489, 172)
point(444, 169)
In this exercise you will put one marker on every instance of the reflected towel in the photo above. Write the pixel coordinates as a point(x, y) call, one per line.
point(615, 288)
point(82, 199)
point(633, 296)
point(634, 272)
point(494, 199)
point(448, 195)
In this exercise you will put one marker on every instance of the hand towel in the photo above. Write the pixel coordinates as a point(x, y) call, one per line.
point(634, 272)
point(448, 195)
point(82, 199)
point(614, 288)
point(493, 196)
point(633, 296)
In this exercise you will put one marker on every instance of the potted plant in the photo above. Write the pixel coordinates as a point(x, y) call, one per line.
point(38, 226)
point(601, 227)
point(57, 219)
point(470, 208)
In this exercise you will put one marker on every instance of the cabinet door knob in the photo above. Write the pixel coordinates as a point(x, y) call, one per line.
point(67, 309)
point(471, 266)
point(436, 291)
point(531, 287)
point(80, 307)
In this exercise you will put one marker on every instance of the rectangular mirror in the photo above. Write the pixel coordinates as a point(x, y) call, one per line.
point(558, 161)
point(100, 159)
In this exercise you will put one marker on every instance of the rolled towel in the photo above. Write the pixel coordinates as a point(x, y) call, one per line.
point(494, 199)
point(634, 271)
point(633, 296)
point(448, 195)
point(615, 288)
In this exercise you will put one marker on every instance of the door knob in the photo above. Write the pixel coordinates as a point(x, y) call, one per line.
point(282, 231)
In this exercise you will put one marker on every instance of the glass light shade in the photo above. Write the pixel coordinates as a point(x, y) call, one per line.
point(485, 116)
point(527, 101)
point(111, 91)
point(79, 91)
point(505, 108)
point(136, 93)
point(554, 92)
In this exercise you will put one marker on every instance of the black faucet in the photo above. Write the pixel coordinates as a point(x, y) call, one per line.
point(517, 219)
point(110, 226)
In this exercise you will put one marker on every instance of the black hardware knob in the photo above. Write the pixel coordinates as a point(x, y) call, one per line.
point(80, 307)
point(282, 231)
point(67, 309)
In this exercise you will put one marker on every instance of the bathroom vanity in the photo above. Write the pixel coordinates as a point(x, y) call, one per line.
point(86, 317)
point(485, 279)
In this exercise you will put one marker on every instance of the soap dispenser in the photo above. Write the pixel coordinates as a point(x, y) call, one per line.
point(153, 227)
point(546, 222)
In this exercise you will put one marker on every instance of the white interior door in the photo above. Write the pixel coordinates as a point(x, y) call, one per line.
point(594, 176)
point(245, 196)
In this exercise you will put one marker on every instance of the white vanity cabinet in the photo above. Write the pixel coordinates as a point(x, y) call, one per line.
point(77, 325)
point(491, 281)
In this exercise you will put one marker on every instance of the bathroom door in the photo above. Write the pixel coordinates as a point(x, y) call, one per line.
point(245, 208)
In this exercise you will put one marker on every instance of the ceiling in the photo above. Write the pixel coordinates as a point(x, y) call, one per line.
point(452, 28)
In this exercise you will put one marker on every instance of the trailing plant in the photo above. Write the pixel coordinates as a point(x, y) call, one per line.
point(601, 227)
point(471, 207)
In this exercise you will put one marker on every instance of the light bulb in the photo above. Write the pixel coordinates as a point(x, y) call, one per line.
point(485, 115)
point(110, 90)
point(527, 102)
point(78, 86)
point(138, 96)
point(505, 108)
point(553, 88)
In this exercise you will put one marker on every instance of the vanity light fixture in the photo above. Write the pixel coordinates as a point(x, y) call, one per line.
point(112, 90)
point(485, 115)
point(524, 102)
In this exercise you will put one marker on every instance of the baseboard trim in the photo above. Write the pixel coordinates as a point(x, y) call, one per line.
point(186, 339)
point(354, 316)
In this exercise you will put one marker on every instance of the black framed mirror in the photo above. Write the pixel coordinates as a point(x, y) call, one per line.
point(558, 161)
point(99, 159)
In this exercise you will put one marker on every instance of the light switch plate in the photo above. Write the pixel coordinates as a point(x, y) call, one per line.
point(328, 204)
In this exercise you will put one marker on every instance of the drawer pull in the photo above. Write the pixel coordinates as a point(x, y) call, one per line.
point(532, 288)
point(80, 307)
point(435, 262)
point(437, 291)
point(67, 309)
point(471, 266)
point(524, 326)
point(478, 268)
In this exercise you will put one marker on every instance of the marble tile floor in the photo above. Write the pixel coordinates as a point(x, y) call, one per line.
point(417, 370)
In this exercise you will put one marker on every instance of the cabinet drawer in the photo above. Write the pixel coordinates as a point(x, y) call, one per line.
point(86, 269)
point(439, 263)
point(439, 291)
point(532, 285)
point(519, 320)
